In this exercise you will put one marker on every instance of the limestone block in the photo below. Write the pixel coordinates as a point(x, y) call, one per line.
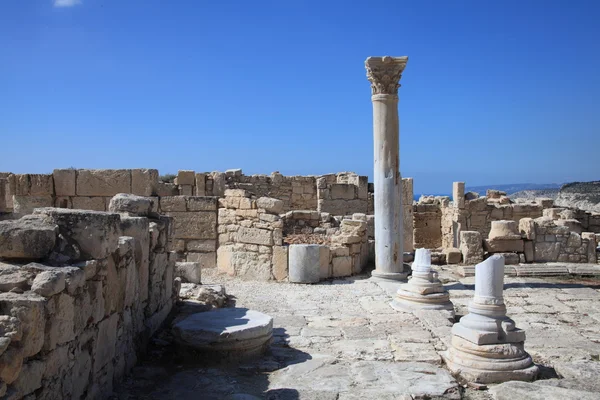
point(3, 195)
point(342, 266)
point(60, 327)
point(89, 203)
point(48, 283)
point(13, 276)
point(527, 228)
point(188, 272)
point(200, 185)
point(166, 189)
point(225, 260)
point(343, 191)
point(96, 234)
point(471, 247)
point(280, 262)
point(30, 378)
point(144, 182)
point(104, 346)
point(194, 225)
point(270, 205)
point(186, 190)
point(453, 255)
point(552, 213)
point(219, 183)
point(29, 309)
point(203, 246)
point(27, 238)
point(63, 202)
point(205, 260)
point(196, 203)
point(572, 224)
point(139, 228)
point(26, 204)
point(11, 362)
point(130, 203)
point(546, 251)
point(591, 247)
point(103, 182)
point(186, 177)
point(255, 236)
point(173, 203)
point(64, 182)
point(503, 245)
point(458, 194)
point(529, 252)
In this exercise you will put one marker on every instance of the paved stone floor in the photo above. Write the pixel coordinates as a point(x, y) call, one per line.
point(341, 340)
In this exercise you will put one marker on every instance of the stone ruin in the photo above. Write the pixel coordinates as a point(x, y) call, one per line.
point(92, 262)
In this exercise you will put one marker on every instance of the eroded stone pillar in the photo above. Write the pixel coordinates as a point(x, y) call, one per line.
point(384, 73)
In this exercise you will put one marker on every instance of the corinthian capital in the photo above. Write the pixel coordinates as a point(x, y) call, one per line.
point(384, 73)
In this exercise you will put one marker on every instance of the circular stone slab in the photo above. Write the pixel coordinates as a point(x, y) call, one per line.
point(226, 332)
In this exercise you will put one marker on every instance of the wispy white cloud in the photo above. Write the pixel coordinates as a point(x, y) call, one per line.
point(66, 3)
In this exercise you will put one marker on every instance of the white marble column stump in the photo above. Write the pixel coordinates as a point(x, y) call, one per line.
point(486, 345)
point(424, 291)
point(384, 73)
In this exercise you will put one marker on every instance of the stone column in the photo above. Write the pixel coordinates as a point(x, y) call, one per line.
point(384, 74)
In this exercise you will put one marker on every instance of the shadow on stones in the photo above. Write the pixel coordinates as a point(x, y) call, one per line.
point(164, 374)
point(532, 285)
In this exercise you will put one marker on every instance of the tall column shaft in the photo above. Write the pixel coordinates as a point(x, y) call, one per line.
point(387, 180)
point(384, 74)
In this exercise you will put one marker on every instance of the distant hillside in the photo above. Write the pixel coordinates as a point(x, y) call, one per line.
point(583, 195)
point(511, 188)
point(532, 194)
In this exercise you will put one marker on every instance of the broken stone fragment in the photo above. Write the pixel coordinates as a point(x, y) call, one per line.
point(28, 238)
point(130, 203)
point(270, 205)
point(48, 283)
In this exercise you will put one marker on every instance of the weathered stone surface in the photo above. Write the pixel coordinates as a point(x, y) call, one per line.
point(527, 228)
point(104, 349)
point(471, 247)
point(535, 391)
point(342, 266)
point(29, 309)
point(130, 203)
point(26, 204)
point(504, 229)
point(48, 283)
point(12, 276)
point(64, 182)
point(205, 260)
point(197, 203)
point(103, 182)
point(11, 362)
point(188, 272)
point(280, 262)
point(144, 182)
point(255, 236)
point(503, 245)
point(207, 245)
point(270, 205)
point(453, 255)
point(196, 225)
point(546, 251)
point(186, 177)
point(60, 323)
point(95, 233)
point(30, 378)
point(89, 203)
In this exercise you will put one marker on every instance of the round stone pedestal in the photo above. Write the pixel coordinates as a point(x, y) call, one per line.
point(489, 363)
point(409, 301)
point(225, 334)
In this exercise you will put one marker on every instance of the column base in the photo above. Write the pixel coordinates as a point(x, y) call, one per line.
point(408, 302)
point(494, 363)
point(389, 276)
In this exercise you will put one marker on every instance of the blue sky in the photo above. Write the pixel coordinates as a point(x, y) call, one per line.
point(494, 91)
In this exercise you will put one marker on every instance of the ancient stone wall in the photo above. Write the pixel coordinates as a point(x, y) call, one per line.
point(80, 294)
point(342, 194)
point(195, 221)
point(250, 230)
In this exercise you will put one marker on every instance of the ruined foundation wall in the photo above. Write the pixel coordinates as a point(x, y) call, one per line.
point(81, 292)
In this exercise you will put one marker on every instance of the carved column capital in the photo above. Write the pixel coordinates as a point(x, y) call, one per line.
point(384, 73)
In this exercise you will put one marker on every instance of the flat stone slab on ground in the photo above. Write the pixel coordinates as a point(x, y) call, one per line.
point(536, 391)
